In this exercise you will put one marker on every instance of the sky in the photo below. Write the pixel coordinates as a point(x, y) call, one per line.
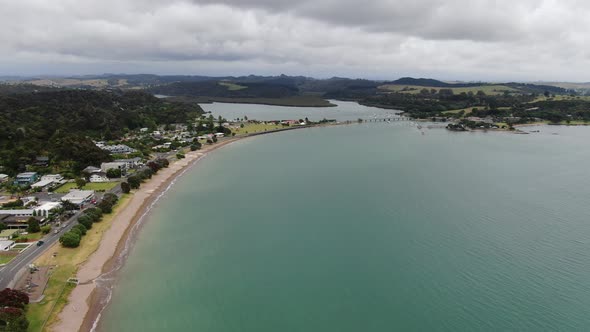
point(469, 40)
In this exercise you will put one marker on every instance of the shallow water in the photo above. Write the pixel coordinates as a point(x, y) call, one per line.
point(371, 227)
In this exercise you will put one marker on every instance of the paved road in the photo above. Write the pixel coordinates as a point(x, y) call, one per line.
point(9, 271)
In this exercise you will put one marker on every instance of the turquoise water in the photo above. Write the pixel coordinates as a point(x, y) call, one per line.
point(371, 227)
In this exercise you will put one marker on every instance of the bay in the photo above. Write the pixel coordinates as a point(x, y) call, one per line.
point(368, 227)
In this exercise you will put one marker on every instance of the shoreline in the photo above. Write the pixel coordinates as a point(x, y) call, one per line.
point(85, 303)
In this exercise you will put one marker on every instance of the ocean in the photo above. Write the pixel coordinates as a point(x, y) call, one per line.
point(368, 227)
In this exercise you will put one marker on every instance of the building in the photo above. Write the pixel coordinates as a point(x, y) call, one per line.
point(19, 222)
point(91, 169)
point(54, 177)
point(45, 209)
point(130, 163)
point(118, 149)
point(27, 178)
point(5, 245)
point(3, 178)
point(104, 167)
point(42, 161)
point(79, 197)
point(7, 234)
point(18, 213)
point(98, 177)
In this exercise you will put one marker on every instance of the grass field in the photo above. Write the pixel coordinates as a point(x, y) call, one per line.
point(232, 86)
point(67, 262)
point(96, 186)
point(487, 89)
point(6, 258)
point(65, 188)
point(250, 128)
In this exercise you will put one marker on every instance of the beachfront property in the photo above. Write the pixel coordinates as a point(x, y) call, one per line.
point(27, 178)
point(5, 245)
point(104, 167)
point(98, 177)
point(79, 197)
point(117, 149)
point(3, 178)
point(130, 163)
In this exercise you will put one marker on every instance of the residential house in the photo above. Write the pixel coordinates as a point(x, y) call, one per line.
point(79, 197)
point(48, 181)
point(118, 149)
point(91, 169)
point(3, 178)
point(104, 167)
point(130, 163)
point(98, 177)
point(42, 161)
point(27, 178)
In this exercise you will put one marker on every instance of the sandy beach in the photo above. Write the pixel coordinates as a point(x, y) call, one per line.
point(83, 308)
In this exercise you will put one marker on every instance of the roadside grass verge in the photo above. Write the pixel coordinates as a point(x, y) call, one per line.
point(66, 262)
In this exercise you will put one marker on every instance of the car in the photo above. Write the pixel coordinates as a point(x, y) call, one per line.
point(40, 243)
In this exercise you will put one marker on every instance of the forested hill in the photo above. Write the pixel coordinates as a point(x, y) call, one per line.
point(62, 124)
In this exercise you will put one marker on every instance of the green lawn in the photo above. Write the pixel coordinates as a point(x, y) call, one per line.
point(96, 186)
point(232, 86)
point(65, 188)
point(100, 186)
point(5, 259)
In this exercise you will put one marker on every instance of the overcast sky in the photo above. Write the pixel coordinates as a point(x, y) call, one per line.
point(523, 40)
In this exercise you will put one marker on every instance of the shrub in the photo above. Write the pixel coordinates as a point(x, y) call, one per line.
point(46, 229)
point(179, 156)
point(87, 222)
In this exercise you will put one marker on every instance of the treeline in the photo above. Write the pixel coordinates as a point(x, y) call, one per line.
point(152, 167)
point(61, 124)
point(72, 238)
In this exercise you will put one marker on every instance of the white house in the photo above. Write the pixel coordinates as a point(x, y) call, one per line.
point(104, 167)
point(53, 177)
point(46, 208)
point(98, 177)
point(6, 245)
point(78, 197)
point(3, 178)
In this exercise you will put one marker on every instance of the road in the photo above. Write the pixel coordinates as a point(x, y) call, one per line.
point(28, 256)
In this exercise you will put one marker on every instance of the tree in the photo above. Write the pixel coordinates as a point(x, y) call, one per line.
point(81, 228)
point(13, 319)
point(125, 188)
point(105, 206)
point(113, 173)
point(46, 229)
point(80, 183)
point(13, 298)
point(33, 225)
point(68, 206)
point(70, 239)
point(134, 182)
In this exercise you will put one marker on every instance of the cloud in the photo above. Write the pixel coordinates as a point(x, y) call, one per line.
point(486, 39)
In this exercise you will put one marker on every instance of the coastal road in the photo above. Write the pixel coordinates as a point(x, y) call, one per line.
point(28, 256)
